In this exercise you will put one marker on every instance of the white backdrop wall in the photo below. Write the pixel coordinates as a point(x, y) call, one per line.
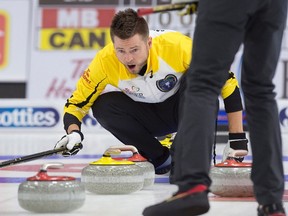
point(48, 44)
point(65, 37)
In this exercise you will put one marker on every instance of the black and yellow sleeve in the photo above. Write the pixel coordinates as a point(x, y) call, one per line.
point(231, 94)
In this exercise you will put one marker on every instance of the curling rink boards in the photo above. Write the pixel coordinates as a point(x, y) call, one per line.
point(21, 144)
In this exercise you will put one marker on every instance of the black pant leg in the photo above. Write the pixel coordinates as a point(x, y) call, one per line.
point(262, 48)
point(212, 55)
point(219, 31)
point(136, 123)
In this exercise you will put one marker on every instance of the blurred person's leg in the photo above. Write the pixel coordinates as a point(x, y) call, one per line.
point(220, 29)
point(218, 35)
point(262, 47)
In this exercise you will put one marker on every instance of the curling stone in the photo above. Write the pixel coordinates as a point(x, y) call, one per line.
point(139, 160)
point(231, 179)
point(51, 194)
point(109, 176)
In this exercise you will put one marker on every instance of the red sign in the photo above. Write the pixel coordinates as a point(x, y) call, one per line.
point(77, 17)
point(3, 38)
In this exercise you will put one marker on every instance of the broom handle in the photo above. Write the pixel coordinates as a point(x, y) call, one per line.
point(159, 9)
point(166, 7)
point(31, 157)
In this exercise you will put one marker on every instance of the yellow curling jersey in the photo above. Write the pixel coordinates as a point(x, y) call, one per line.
point(169, 57)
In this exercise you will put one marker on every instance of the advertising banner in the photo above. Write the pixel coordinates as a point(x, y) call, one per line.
point(47, 44)
point(15, 26)
point(39, 116)
point(67, 38)
point(68, 34)
point(42, 115)
point(4, 36)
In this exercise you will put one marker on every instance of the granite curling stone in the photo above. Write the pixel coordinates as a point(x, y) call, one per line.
point(51, 194)
point(231, 179)
point(139, 160)
point(109, 176)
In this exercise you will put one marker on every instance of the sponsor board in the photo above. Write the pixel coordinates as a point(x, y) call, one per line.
point(74, 28)
point(35, 115)
point(4, 36)
point(15, 38)
point(71, 39)
point(28, 115)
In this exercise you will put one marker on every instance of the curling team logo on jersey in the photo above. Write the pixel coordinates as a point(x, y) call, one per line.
point(283, 116)
point(28, 117)
point(134, 91)
point(167, 83)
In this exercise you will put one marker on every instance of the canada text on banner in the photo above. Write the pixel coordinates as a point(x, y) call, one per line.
point(74, 28)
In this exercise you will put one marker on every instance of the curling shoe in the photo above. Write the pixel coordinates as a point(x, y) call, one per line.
point(271, 210)
point(184, 203)
point(236, 149)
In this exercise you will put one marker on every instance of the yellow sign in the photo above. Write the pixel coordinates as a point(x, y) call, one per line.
point(74, 39)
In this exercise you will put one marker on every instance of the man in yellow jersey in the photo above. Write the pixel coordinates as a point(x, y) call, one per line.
point(147, 70)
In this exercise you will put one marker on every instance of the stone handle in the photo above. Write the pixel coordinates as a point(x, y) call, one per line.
point(52, 165)
point(130, 148)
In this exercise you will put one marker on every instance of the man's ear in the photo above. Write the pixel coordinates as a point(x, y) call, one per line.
point(149, 42)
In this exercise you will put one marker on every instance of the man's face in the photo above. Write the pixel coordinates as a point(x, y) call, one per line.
point(132, 52)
